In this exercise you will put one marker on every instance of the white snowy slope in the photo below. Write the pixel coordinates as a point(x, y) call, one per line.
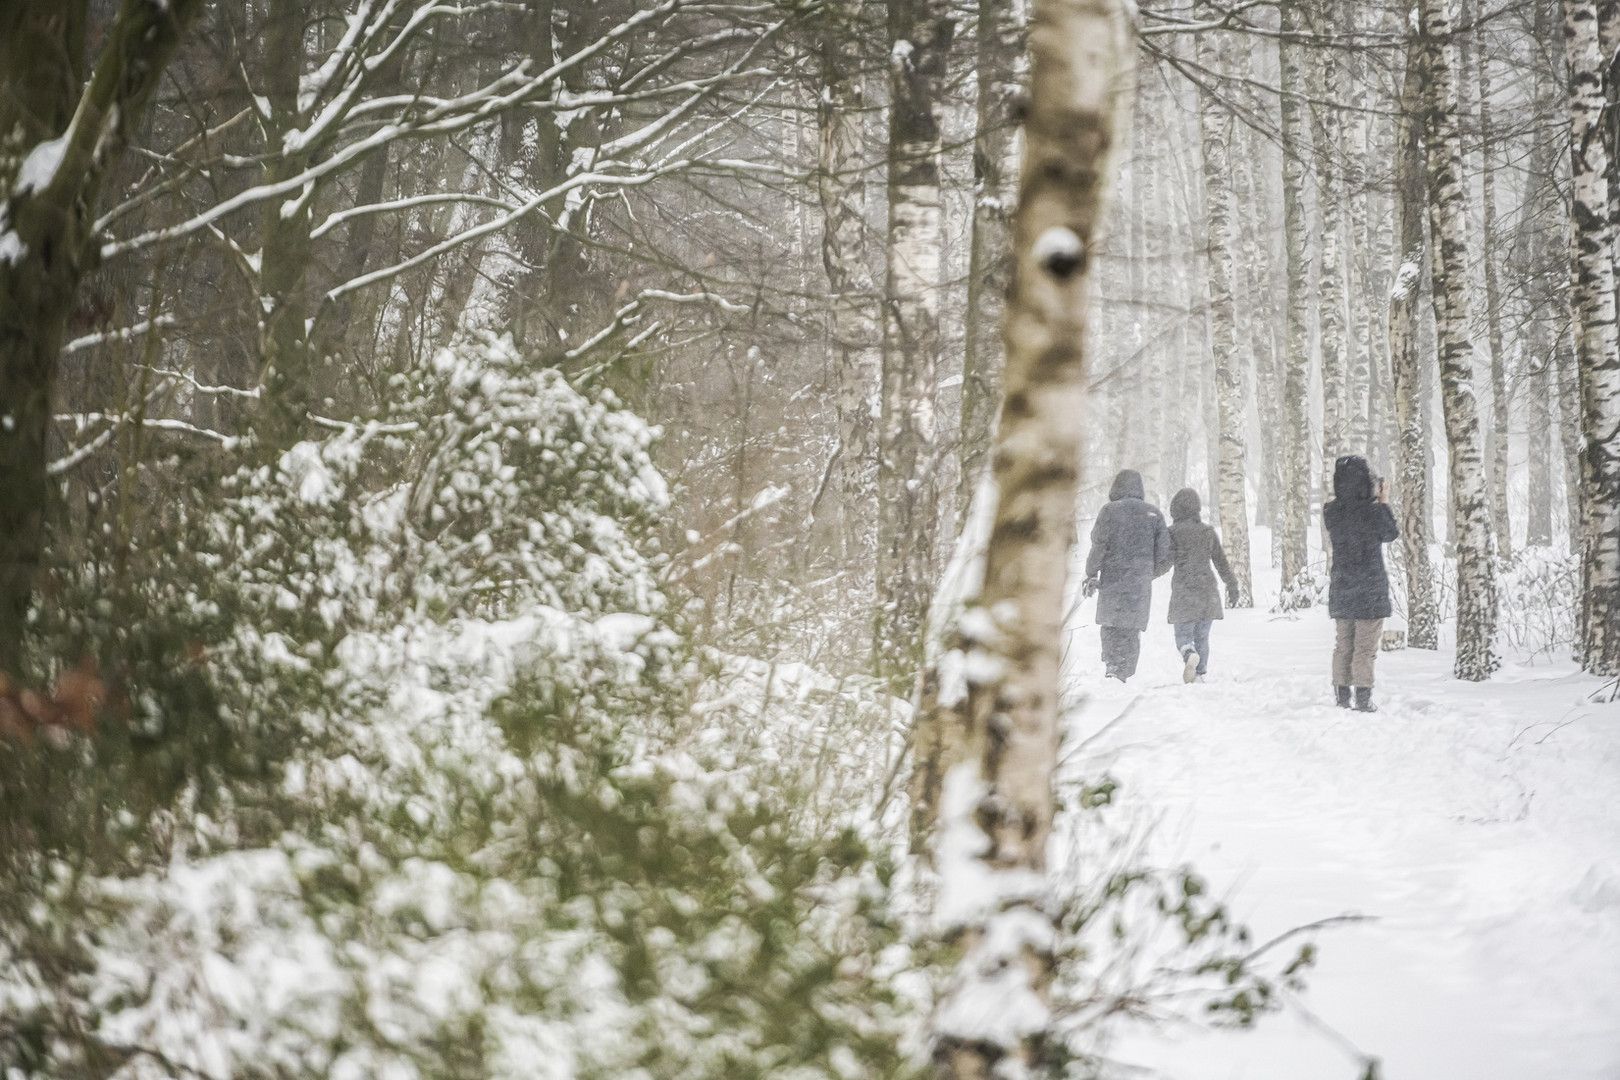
point(1476, 826)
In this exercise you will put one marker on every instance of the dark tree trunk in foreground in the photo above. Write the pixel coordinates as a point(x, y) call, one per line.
point(51, 174)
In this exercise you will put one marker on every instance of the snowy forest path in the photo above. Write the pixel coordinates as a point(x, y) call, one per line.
point(1474, 826)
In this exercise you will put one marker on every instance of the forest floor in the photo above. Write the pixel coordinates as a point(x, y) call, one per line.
point(1474, 827)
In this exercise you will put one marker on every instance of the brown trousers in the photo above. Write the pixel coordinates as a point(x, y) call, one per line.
point(1354, 650)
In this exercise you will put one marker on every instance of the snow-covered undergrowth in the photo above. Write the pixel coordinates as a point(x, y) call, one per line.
point(414, 785)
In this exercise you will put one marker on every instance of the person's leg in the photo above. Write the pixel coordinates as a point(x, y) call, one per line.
point(1344, 638)
point(1368, 632)
point(1201, 642)
point(1130, 651)
point(1184, 637)
point(1115, 647)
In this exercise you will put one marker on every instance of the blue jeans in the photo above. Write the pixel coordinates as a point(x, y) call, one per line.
point(1194, 635)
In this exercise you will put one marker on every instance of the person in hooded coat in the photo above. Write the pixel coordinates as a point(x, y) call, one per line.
point(1195, 600)
point(1130, 546)
point(1359, 524)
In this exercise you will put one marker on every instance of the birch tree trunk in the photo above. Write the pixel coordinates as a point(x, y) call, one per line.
point(1362, 293)
point(1501, 523)
point(1597, 346)
point(920, 35)
point(854, 325)
point(1296, 363)
point(1448, 220)
point(1215, 125)
point(1411, 446)
point(1325, 134)
point(1000, 42)
point(999, 801)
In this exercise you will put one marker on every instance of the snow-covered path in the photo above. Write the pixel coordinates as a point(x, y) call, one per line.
point(1477, 826)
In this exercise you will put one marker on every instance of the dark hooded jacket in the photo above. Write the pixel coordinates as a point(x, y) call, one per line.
point(1358, 527)
point(1129, 548)
point(1197, 555)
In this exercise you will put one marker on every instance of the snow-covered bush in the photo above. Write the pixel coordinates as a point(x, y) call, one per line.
point(1539, 594)
point(412, 784)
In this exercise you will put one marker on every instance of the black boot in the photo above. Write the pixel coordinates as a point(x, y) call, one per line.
point(1342, 693)
point(1364, 699)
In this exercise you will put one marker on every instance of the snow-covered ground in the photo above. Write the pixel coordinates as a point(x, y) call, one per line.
point(1475, 826)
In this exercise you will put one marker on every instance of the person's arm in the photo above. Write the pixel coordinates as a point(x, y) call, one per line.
point(1164, 557)
point(1387, 529)
point(1094, 557)
point(1217, 555)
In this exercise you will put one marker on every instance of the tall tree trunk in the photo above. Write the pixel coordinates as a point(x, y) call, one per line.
point(1412, 450)
point(1000, 42)
point(1258, 328)
point(1539, 387)
point(1296, 363)
point(1448, 222)
point(920, 35)
point(1326, 131)
point(999, 801)
point(1230, 375)
point(1569, 430)
point(1362, 293)
point(50, 182)
point(284, 257)
point(854, 325)
point(1597, 345)
point(1498, 443)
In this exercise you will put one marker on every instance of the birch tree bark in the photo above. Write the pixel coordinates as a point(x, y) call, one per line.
point(1000, 42)
point(62, 125)
point(1363, 291)
point(1296, 432)
point(1230, 375)
point(1326, 132)
point(1498, 443)
point(1597, 345)
point(854, 325)
point(920, 35)
point(991, 851)
point(1411, 447)
point(1448, 219)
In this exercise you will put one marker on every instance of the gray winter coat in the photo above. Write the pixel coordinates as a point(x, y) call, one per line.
point(1358, 527)
point(1198, 556)
point(1129, 548)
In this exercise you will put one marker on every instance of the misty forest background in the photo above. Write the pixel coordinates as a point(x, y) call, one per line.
point(475, 477)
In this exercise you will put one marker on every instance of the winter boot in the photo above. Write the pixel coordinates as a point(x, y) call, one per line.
point(1189, 668)
point(1364, 699)
point(1343, 695)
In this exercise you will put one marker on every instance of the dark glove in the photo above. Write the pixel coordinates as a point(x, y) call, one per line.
point(1231, 596)
point(1088, 587)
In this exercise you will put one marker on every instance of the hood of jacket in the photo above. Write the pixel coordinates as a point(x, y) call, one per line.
point(1352, 478)
point(1185, 505)
point(1127, 485)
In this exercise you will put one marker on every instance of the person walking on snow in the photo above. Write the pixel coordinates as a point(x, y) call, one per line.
point(1195, 601)
point(1129, 548)
point(1359, 524)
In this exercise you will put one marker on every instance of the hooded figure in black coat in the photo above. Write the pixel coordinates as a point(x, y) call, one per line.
point(1130, 546)
point(1359, 524)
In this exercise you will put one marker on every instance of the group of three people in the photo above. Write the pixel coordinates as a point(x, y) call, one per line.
point(1131, 545)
